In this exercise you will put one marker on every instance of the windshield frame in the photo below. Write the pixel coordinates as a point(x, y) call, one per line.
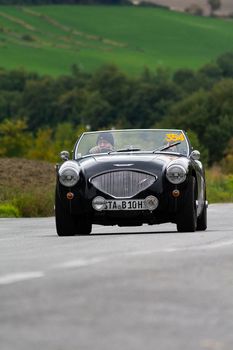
point(76, 154)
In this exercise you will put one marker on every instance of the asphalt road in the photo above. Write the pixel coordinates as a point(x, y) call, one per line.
point(120, 288)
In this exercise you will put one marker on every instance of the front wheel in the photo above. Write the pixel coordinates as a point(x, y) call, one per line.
point(187, 217)
point(65, 223)
point(84, 226)
point(202, 219)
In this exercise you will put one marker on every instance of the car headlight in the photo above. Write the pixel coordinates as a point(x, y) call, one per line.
point(68, 177)
point(176, 174)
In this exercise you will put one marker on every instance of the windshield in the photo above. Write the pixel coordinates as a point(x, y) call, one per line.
point(132, 140)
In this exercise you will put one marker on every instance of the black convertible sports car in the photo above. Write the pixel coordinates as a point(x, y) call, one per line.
point(128, 178)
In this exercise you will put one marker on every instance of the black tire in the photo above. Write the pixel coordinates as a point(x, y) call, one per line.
point(65, 223)
point(84, 226)
point(187, 217)
point(202, 219)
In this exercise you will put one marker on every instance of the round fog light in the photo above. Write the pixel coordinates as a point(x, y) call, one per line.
point(99, 203)
point(151, 202)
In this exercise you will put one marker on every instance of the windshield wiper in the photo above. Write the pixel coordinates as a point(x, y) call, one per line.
point(163, 148)
point(133, 149)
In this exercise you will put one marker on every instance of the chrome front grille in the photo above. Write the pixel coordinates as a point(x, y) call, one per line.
point(123, 183)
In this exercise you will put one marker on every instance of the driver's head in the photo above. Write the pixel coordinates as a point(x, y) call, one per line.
point(105, 140)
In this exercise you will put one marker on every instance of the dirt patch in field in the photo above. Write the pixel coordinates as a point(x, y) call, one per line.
point(26, 174)
point(180, 5)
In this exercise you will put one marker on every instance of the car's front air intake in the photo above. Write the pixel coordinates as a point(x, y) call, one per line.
point(123, 183)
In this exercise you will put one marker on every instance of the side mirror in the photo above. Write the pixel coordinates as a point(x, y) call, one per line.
point(195, 155)
point(65, 155)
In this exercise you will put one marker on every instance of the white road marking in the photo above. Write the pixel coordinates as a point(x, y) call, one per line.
point(92, 261)
point(79, 263)
point(18, 277)
point(218, 244)
point(23, 276)
point(211, 245)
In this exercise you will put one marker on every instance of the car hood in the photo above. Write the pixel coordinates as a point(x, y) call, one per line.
point(152, 163)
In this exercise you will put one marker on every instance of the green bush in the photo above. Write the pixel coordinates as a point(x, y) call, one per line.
point(8, 210)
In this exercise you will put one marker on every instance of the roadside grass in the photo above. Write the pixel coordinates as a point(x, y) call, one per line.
point(9, 211)
point(219, 186)
point(35, 203)
point(32, 202)
point(26, 188)
point(131, 37)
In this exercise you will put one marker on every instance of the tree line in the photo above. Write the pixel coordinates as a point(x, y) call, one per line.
point(42, 110)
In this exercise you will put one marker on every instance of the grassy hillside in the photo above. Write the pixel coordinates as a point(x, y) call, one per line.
point(49, 39)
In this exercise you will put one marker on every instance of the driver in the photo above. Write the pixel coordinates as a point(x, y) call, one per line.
point(104, 143)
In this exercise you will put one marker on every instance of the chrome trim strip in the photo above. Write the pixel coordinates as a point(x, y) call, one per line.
point(122, 164)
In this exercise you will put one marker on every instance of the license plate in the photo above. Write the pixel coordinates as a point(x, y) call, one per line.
point(130, 204)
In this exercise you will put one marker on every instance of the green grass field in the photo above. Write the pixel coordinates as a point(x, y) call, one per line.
point(49, 39)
